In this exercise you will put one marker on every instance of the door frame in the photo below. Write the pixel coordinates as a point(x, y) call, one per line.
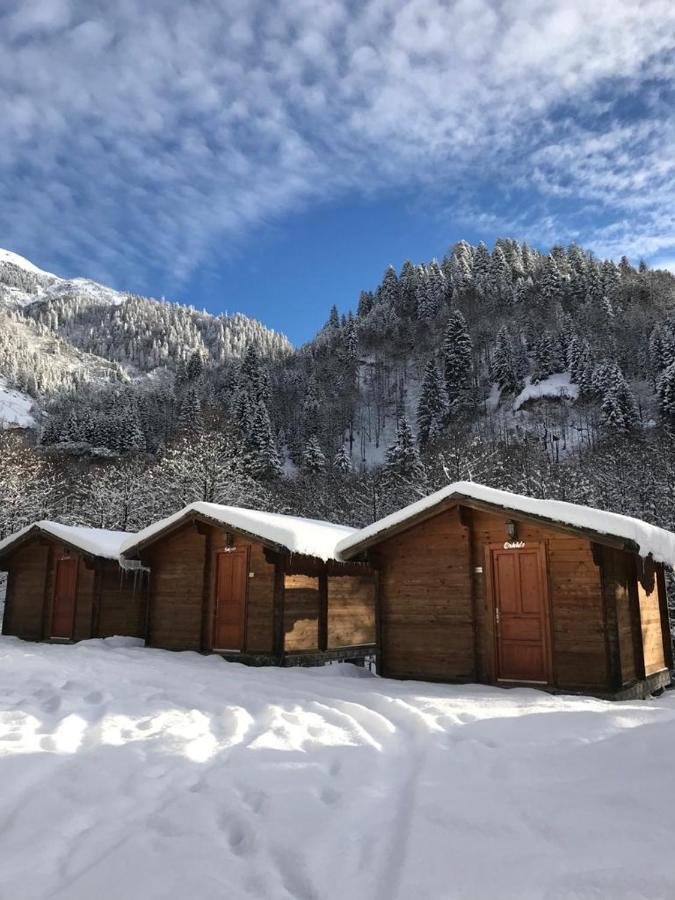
point(57, 561)
point(491, 606)
point(228, 551)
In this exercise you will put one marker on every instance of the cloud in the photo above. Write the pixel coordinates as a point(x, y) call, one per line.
point(140, 136)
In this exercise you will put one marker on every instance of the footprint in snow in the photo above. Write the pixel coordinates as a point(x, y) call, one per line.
point(94, 697)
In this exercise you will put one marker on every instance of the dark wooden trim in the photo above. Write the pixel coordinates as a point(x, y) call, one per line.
point(50, 570)
point(278, 607)
point(11, 575)
point(244, 640)
point(612, 646)
point(665, 615)
point(206, 630)
point(466, 521)
point(379, 626)
point(635, 620)
point(150, 607)
point(323, 612)
point(518, 516)
point(597, 553)
point(96, 599)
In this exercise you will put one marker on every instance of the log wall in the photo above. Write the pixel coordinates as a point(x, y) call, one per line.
point(650, 620)
point(302, 602)
point(351, 610)
point(121, 602)
point(26, 586)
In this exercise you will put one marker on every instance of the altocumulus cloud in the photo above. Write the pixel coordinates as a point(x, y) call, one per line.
point(141, 134)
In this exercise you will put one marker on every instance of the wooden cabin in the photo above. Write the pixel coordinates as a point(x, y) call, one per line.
point(480, 585)
point(65, 584)
point(260, 588)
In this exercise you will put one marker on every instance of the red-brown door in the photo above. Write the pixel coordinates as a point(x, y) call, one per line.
point(65, 590)
point(521, 613)
point(229, 618)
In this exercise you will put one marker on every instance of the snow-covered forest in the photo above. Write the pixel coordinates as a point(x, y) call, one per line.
point(552, 374)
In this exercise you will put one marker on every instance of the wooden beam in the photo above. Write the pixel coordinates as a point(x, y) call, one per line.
point(380, 658)
point(634, 572)
point(665, 615)
point(50, 571)
point(609, 582)
point(278, 606)
point(205, 631)
point(323, 611)
point(96, 599)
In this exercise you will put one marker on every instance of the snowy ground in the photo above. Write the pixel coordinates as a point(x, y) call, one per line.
point(15, 407)
point(138, 773)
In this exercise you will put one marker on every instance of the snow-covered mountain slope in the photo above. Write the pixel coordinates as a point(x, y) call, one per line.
point(57, 333)
point(15, 408)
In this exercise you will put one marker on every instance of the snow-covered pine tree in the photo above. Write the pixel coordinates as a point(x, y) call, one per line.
point(666, 393)
point(189, 417)
point(611, 414)
point(263, 456)
point(504, 370)
point(457, 362)
point(342, 461)
point(432, 407)
point(313, 459)
point(402, 461)
point(546, 360)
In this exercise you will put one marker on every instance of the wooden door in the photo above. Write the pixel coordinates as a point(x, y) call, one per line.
point(229, 614)
point(65, 592)
point(520, 597)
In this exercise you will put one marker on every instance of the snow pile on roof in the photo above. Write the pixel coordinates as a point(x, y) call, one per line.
point(15, 407)
point(96, 541)
point(558, 385)
point(649, 539)
point(308, 537)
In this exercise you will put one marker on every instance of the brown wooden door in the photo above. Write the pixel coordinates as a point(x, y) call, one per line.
point(65, 591)
point(521, 613)
point(229, 616)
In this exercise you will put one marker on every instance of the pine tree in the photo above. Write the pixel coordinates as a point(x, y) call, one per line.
point(263, 455)
point(402, 461)
point(195, 367)
point(546, 358)
point(342, 461)
point(432, 406)
point(457, 363)
point(388, 291)
point(313, 459)
point(366, 303)
point(551, 282)
point(666, 393)
point(504, 363)
point(612, 417)
point(189, 418)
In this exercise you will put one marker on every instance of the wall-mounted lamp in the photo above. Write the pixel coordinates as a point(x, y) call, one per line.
point(511, 530)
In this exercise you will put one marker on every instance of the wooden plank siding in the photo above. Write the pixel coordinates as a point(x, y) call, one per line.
point(650, 619)
point(426, 617)
point(27, 571)
point(108, 601)
point(351, 610)
point(302, 607)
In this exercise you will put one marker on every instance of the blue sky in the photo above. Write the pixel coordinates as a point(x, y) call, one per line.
point(275, 157)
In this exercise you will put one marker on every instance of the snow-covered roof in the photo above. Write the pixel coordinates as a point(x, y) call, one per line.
point(647, 539)
point(94, 541)
point(308, 537)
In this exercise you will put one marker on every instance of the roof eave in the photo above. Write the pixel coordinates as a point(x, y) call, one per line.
point(484, 506)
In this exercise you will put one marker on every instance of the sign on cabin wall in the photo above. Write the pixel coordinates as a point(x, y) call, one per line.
point(514, 545)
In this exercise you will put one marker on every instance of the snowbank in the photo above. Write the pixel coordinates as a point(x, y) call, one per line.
point(15, 407)
point(136, 773)
point(309, 537)
point(96, 541)
point(648, 538)
point(557, 386)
